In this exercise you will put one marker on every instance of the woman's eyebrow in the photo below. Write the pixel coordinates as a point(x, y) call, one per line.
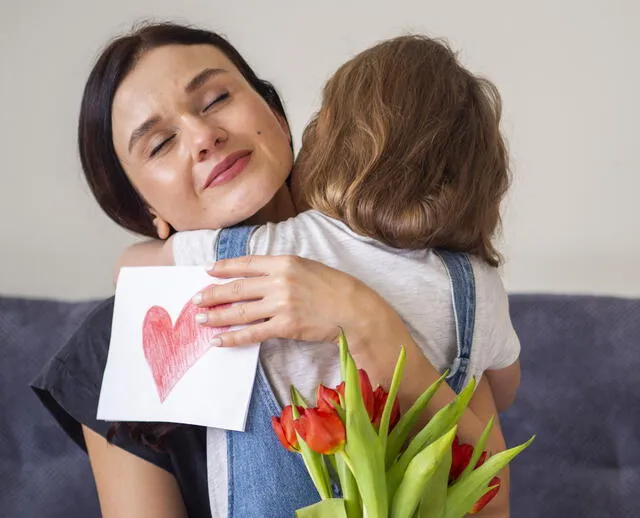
point(201, 78)
point(195, 83)
point(142, 130)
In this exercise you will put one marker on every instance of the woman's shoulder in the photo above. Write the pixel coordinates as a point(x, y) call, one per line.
point(69, 388)
point(69, 385)
point(85, 353)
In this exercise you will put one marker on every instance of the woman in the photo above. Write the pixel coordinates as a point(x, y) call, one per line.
point(149, 125)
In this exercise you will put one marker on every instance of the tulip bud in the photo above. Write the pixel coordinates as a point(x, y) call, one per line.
point(323, 432)
point(379, 401)
point(460, 457)
point(367, 392)
point(480, 504)
point(326, 398)
point(284, 429)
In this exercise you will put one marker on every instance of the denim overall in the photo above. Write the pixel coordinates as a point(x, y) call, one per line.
point(264, 479)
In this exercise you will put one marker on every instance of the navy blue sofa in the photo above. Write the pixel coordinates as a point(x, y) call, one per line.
point(580, 394)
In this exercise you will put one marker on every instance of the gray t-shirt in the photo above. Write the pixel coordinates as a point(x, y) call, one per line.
point(414, 282)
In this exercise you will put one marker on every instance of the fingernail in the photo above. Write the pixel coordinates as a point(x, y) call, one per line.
point(197, 298)
point(201, 318)
point(210, 267)
point(216, 342)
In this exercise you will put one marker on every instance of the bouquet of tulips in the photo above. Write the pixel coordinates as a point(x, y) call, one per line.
point(359, 436)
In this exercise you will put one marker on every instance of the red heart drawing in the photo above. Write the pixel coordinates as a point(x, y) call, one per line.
point(171, 350)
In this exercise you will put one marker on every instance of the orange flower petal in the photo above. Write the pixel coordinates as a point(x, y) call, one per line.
point(367, 392)
point(326, 397)
point(323, 432)
point(284, 429)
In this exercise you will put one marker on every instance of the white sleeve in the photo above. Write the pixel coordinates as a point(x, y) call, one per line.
point(499, 337)
point(194, 247)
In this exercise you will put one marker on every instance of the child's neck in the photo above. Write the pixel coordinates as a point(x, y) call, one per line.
point(280, 208)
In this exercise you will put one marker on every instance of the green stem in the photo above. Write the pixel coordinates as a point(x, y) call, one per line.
point(350, 493)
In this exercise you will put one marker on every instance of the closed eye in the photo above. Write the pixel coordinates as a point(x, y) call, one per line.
point(217, 100)
point(159, 147)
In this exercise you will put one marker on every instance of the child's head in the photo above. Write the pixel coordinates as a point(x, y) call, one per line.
point(406, 148)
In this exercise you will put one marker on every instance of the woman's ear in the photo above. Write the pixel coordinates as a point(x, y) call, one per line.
point(163, 229)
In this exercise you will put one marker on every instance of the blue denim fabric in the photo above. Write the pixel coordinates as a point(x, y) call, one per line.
point(463, 289)
point(265, 480)
point(233, 242)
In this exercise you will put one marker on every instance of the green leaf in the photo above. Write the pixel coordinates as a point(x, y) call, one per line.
point(332, 508)
point(363, 450)
point(343, 347)
point(465, 493)
point(349, 488)
point(426, 479)
point(477, 450)
point(433, 505)
point(313, 461)
point(439, 424)
point(408, 420)
point(297, 399)
point(391, 398)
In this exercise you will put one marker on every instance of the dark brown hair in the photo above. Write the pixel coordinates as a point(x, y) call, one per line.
point(104, 173)
point(406, 148)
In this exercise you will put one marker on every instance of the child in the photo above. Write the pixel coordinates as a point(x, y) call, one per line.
point(404, 159)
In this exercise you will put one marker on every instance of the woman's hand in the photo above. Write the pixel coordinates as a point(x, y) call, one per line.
point(284, 297)
point(302, 299)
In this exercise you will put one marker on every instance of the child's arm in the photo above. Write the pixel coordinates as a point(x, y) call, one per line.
point(147, 253)
point(186, 248)
point(504, 385)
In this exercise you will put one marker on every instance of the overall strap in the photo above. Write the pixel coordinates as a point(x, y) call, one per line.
point(463, 292)
point(233, 242)
point(264, 479)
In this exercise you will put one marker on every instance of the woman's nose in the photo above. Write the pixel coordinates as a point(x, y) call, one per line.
point(207, 138)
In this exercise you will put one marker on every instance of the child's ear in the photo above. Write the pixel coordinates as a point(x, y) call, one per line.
point(163, 229)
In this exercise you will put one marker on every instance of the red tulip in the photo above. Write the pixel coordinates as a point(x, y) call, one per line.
point(479, 505)
point(325, 399)
point(460, 457)
point(367, 392)
point(379, 401)
point(284, 429)
point(323, 432)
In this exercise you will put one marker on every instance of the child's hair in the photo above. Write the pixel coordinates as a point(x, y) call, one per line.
point(406, 148)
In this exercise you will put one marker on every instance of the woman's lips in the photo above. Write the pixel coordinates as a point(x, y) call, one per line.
point(228, 169)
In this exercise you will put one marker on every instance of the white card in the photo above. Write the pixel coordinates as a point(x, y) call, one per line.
point(161, 366)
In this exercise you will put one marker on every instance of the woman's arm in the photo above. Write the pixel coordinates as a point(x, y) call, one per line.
point(306, 300)
point(128, 486)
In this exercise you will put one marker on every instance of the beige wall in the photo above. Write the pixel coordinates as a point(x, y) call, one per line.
point(567, 70)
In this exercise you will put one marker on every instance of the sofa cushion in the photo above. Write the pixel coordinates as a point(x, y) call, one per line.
point(580, 394)
point(42, 472)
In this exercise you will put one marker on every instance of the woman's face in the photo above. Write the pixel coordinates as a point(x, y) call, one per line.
point(201, 146)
